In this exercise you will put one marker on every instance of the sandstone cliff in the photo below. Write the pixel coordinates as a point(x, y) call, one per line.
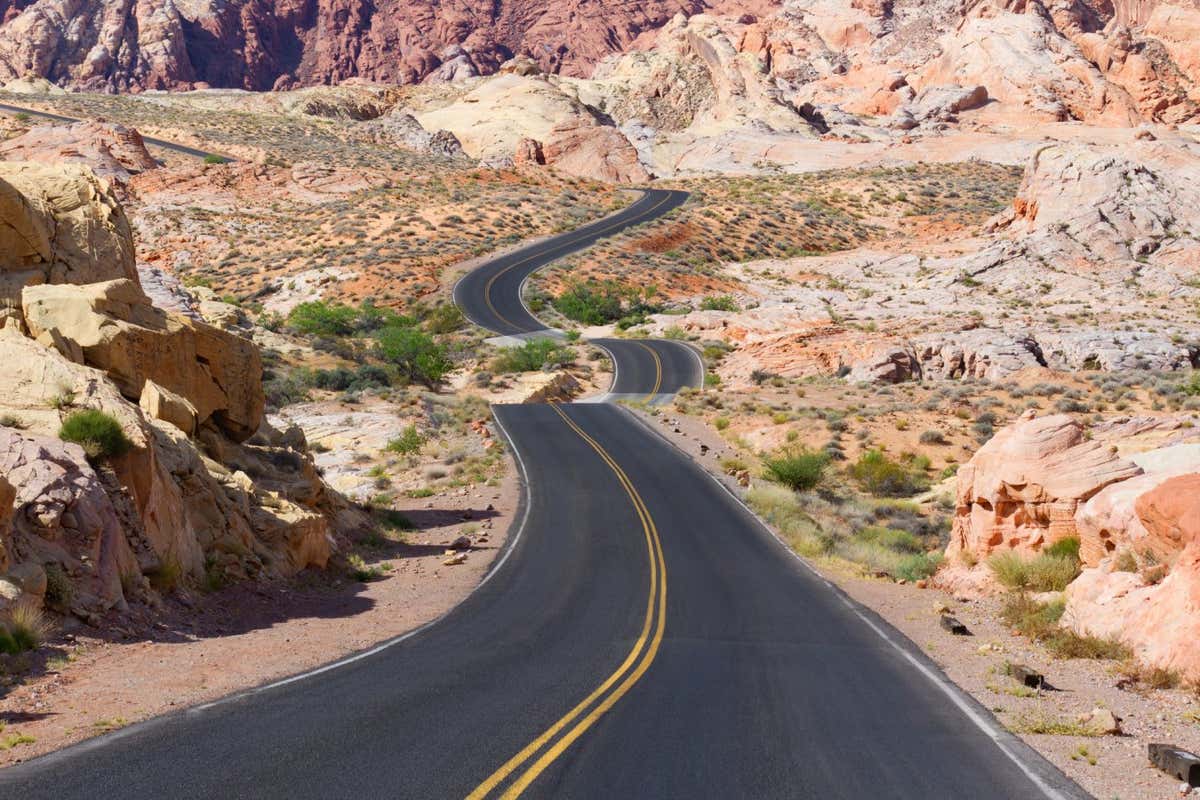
point(206, 491)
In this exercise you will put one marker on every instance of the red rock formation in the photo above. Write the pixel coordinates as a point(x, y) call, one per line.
point(265, 44)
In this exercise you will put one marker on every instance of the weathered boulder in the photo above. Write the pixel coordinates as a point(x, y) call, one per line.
point(113, 151)
point(160, 403)
point(1021, 490)
point(113, 326)
point(59, 224)
point(1156, 611)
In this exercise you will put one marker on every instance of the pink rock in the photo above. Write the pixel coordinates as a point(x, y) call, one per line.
point(1021, 490)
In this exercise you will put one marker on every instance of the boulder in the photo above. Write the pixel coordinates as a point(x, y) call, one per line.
point(112, 151)
point(1022, 489)
point(1156, 614)
point(160, 403)
point(112, 326)
point(59, 224)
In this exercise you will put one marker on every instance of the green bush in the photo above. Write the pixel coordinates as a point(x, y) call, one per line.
point(318, 318)
point(444, 319)
point(407, 443)
point(1043, 573)
point(213, 158)
point(100, 435)
point(883, 477)
point(892, 539)
point(1064, 548)
point(719, 303)
point(591, 303)
point(414, 354)
point(534, 355)
point(799, 470)
point(918, 566)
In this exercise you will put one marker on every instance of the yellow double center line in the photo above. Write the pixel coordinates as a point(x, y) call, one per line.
point(658, 369)
point(487, 289)
point(623, 678)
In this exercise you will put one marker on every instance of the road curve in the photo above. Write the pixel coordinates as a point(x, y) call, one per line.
point(161, 143)
point(642, 636)
point(490, 295)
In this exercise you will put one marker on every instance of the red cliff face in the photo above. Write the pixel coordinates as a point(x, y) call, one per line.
point(116, 45)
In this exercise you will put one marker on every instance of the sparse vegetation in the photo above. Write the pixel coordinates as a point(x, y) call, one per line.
point(799, 469)
point(99, 434)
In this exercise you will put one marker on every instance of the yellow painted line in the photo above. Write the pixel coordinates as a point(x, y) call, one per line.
point(487, 289)
point(658, 370)
point(658, 590)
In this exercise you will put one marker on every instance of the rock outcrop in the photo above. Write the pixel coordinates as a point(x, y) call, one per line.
point(59, 224)
point(114, 152)
point(113, 326)
point(206, 492)
point(1021, 490)
point(1041, 479)
point(160, 45)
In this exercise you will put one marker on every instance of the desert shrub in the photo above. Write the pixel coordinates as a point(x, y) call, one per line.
point(445, 318)
point(1040, 622)
point(407, 443)
point(1042, 573)
point(918, 566)
point(891, 538)
point(414, 354)
point(883, 477)
point(536, 354)
point(26, 628)
point(798, 470)
point(719, 303)
point(98, 433)
point(592, 303)
point(361, 571)
point(59, 589)
point(319, 318)
point(213, 158)
point(1064, 548)
point(932, 437)
point(784, 509)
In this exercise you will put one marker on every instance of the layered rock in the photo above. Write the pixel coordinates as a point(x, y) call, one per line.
point(206, 492)
point(114, 327)
point(1022, 489)
point(113, 152)
point(59, 224)
point(1042, 479)
point(158, 45)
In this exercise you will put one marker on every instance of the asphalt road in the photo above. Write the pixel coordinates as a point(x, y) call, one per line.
point(641, 637)
point(490, 295)
point(162, 143)
point(759, 681)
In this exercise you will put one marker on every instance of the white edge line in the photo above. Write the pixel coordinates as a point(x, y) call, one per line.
point(990, 728)
point(509, 547)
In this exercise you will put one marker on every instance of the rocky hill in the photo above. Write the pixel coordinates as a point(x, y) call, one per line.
point(1075, 59)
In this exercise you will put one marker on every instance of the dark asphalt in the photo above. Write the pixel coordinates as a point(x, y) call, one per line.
point(767, 685)
point(490, 295)
point(756, 679)
point(651, 367)
point(162, 143)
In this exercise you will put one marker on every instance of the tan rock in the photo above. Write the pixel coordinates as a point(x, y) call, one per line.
point(59, 224)
point(160, 403)
point(1021, 490)
point(118, 331)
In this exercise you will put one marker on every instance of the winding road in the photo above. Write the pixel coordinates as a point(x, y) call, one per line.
point(643, 636)
point(163, 143)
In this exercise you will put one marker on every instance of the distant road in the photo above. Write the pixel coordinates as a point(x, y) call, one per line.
point(178, 148)
point(490, 295)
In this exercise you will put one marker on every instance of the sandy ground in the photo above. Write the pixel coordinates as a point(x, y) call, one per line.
point(1121, 770)
point(212, 645)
